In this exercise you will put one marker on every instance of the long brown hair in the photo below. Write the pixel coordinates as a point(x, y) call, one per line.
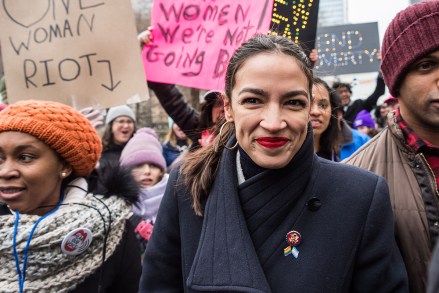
point(200, 167)
point(108, 143)
point(331, 138)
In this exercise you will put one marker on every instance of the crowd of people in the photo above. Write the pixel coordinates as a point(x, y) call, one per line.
point(280, 183)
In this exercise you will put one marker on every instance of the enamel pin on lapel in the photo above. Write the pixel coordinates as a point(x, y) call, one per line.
point(293, 238)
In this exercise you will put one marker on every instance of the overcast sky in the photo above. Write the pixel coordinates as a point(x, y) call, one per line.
point(383, 11)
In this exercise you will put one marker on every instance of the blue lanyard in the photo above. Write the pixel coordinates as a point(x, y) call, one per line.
point(22, 272)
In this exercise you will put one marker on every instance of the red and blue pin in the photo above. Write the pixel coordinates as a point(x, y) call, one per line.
point(293, 238)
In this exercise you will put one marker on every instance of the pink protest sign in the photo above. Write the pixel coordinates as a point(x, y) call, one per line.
point(194, 40)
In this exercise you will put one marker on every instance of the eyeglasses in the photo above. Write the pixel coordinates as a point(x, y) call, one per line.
point(124, 121)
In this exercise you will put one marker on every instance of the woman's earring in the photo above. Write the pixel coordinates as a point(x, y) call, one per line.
point(63, 174)
point(221, 139)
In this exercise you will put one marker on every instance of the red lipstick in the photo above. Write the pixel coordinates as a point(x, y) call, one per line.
point(272, 142)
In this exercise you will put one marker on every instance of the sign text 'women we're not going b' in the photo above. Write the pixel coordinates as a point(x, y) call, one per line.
point(194, 40)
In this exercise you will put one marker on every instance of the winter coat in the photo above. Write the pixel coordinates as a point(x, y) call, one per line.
point(413, 194)
point(171, 153)
point(239, 244)
point(111, 157)
point(352, 140)
point(49, 268)
point(145, 211)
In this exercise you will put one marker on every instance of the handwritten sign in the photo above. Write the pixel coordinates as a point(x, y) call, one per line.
point(81, 53)
point(296, 20)
point(194, 40)
point(347, 49)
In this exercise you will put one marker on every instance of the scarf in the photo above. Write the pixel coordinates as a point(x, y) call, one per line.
point(244, 224)
point(48, 269)
point(150, 199)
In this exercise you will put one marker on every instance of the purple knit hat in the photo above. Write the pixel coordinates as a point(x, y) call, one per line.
point(364, 119)
point(412, 34)
point(144, 147)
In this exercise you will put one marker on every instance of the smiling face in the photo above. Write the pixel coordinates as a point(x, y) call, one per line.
point(320, 114)
point(30, 173)
point(147, 175)
point(269, 106)
point(419, 97)
point(122, 129)
point(345, 95)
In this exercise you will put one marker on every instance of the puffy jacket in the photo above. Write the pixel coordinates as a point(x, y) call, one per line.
point(413, 193)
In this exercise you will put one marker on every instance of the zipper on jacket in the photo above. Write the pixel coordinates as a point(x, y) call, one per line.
point(432, 173)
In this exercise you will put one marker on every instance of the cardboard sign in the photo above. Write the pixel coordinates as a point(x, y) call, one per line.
point(194, 40)
point(82, 53)
point(296, 20)
point(347, 49)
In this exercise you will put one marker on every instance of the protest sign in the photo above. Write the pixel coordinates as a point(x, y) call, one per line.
point(82, 53)
point(347, 49)
point(296, 20)
point(194, 40)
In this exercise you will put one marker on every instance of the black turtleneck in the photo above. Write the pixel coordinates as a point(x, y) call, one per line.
point(249, 168)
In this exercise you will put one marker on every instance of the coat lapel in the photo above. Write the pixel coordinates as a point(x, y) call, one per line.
point(235, 223)
point(226, 259)
point(273, 200)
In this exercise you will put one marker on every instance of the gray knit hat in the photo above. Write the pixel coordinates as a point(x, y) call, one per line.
point(118, 111)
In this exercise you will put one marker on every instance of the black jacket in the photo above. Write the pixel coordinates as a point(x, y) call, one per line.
point(342, 213)
point(186, 117)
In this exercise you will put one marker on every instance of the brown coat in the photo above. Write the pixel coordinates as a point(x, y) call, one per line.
point(413, 193)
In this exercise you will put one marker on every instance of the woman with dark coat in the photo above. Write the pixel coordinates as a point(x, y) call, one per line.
point(258, 211)
point(56, 235)
point(175, 144)
point(120, 127)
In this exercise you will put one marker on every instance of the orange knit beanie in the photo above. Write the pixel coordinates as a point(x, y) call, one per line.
point(59, 126)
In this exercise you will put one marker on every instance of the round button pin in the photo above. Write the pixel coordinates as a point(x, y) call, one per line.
point(76, 241)
point(294, 238)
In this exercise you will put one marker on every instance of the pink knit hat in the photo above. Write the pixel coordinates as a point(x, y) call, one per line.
point(144, 147)
point(412, 34)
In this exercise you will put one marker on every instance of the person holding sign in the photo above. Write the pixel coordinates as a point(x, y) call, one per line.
point(56, 234)
point(353, 107)
point(258, 211)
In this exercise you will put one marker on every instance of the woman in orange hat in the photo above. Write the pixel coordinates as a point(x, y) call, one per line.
point(55, 234)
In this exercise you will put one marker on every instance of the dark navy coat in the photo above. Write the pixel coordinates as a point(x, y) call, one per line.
point(342, 213)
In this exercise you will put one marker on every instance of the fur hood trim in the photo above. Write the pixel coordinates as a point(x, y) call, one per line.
point(114, 180)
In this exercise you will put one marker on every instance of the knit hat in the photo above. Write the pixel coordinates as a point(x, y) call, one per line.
point(144, 147)
point(364, 119)
point(59, 126)
point(118, 111)
point(412, 34)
